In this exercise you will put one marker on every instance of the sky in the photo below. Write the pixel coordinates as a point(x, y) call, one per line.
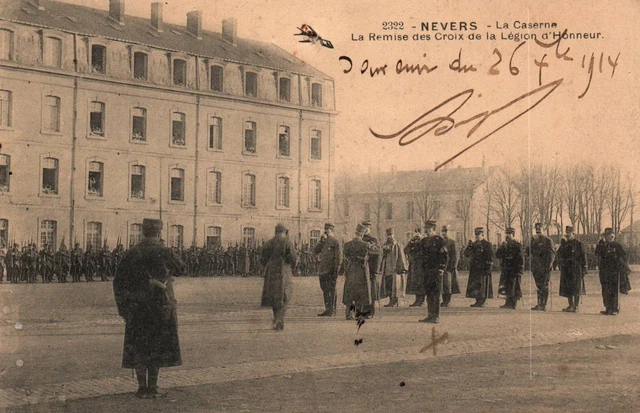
point(572, 124)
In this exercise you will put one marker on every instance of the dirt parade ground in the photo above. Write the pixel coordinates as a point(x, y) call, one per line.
point(61, 347)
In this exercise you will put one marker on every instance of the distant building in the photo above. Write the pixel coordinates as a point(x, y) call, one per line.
point(403, 200)
point(630, 236)
point(107, 119)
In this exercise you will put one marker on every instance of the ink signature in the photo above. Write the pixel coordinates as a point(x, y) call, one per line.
point(443, 123)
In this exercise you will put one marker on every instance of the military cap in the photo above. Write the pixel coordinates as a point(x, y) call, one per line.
point(151, 227)
point(328, 225)
point(510, 230)
point(389, 231)
point(608, 231)
point(280, 228)
point(366, 223)
point(568, 229)
point(538, 225)
point(479, 230)
point(430, 224)
point(361, 229)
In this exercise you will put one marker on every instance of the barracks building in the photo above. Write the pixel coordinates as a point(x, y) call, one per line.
point(106, 119)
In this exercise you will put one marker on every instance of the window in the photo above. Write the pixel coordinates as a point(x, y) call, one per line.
point(135, 234)
point(282, 192)
point(6, 44)
point(50, 176)
point(284, 139)
point(4, 233)
point(98, 59)
point(139, 125)
point(315, 197)
point(96, 178)
point(178, 135)
point(316, 144)
point(217, 78)
point(250, 137)
point(52, 52)
point(140, 66)
point(179, 72)
point(94, 235)
point(459, 208)
point(177, 184)
point(214, 237)
point(248, 190)
point(215, 133)
point(314, 237)
point(176, 236)
point(346, 207)
point(51, 114)
point(316, 94)
point(96, 118)
point(137, 181)
point(5, 170)
point(248, 236)
point(436, 209)
point(251, 84)
point(409, 210)
point(48, 233)
point(285, 89)
point(367, 212)
point(5, 108)
point(214, 188)
point(389, 211)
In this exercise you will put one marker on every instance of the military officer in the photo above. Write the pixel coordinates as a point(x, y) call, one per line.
point(542, 252)
point(450, 279)
point(357, 279)
point(329, 252)
point(512, 265)
point(394, 270)
point(415, 276)
point(573, 266)
point(480, 254)
point(434, 264)
point(374, 265)
point(614, 271)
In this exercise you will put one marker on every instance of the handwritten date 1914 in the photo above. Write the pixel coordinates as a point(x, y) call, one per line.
point(439, 119)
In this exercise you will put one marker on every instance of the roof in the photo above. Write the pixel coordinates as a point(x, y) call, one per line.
point(95, 22)
point(636, 227)
point(445, 180)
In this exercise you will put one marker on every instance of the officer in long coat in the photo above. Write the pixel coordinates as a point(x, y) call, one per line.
point(144, 296)
point(450, 278)
point(614, 271)
point(434, 264)
point(541, 253)
point(394, 270)
point(573, 266)
point(480, 254)
point(279, 259)
point(329, 252)
point(512, 264)
point(358, 281)
point(415, 274)
point(375, 258)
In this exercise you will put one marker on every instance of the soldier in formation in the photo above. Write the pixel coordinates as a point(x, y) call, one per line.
point(450, 278)
point(613, 271)
point(541, 252)
point(358, 280)
point(434, 263)
point(512, 264)
point(480, 254)
point(415, 276)
point(329, 252)
point(394, 270)
point(573, 267)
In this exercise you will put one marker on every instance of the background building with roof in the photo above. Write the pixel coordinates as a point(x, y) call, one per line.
point(403, 200)
point(107, 119)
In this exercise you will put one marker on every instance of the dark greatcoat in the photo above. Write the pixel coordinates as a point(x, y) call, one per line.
point(357, 282)
point(151, 330)
point(573, 266)
point(480, 254)
point(415, 276)
point(450, 280)
point(612, 266)
point(512, 264)
point(278, 258)
point(542, 252)
point(434, 259)
point(374, 261)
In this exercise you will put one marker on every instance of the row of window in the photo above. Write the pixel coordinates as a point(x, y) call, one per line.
point(387, 210)
point(51, 123)
point(52, 57)
point(48, 235)
point(137, 183)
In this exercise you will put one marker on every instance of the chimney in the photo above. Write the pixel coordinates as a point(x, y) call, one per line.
point(156, 16)
point(38, 4)
point(116, 11)
point(230, 31)
point(194, 23)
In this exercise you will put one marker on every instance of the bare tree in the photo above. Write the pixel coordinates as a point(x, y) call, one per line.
point(380, 185)
point(427, 200)
point(505, 199)
point(622, 194)
point(463, 212)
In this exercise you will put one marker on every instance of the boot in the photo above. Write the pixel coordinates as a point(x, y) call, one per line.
point(543, 301)
point(576, 303)
point(446, 300)
point(419, 302)
point(570, 308)
point(393, 302)
point(538, 306)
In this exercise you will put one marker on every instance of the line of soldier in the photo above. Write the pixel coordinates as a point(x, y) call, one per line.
point(374, 271)
point(27, 264)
